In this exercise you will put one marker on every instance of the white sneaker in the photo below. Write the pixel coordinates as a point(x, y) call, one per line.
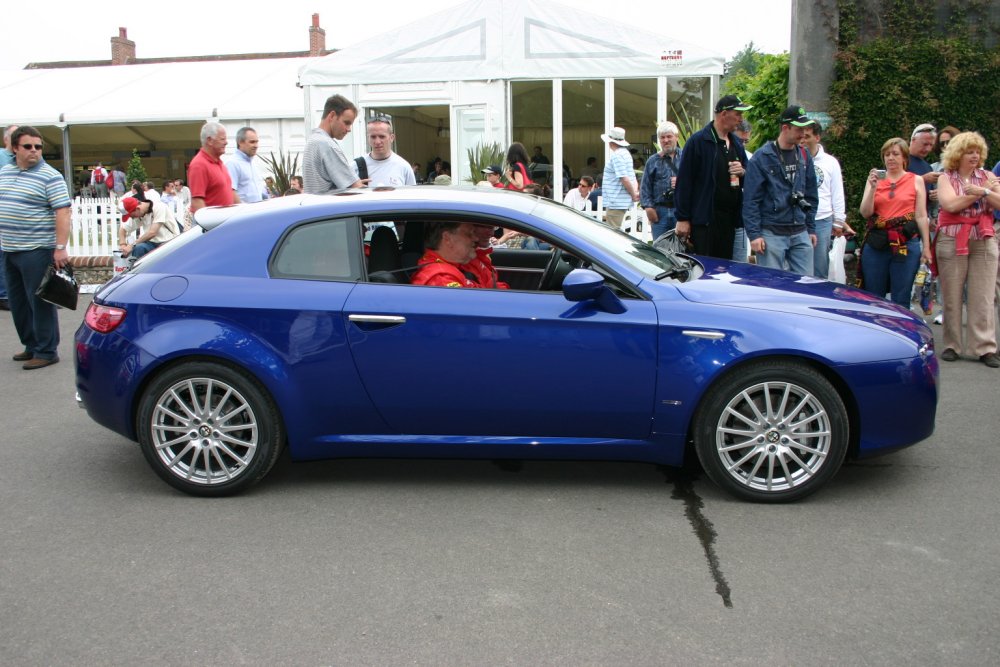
point(939, 318)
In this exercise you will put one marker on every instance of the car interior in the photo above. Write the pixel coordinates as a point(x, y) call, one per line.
point(394, 260)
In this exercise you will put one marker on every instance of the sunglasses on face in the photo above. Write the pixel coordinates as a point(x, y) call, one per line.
point(892, 190)
point(28, 147)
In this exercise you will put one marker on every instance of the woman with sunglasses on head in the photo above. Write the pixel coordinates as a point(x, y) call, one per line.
point(967, 247)
point(897, 236)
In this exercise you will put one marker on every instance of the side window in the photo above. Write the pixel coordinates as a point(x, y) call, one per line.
point(325, 250)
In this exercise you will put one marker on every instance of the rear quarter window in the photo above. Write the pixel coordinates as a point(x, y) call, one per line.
point(326, 250)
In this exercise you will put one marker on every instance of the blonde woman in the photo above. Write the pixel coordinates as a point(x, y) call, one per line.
point(967, 247)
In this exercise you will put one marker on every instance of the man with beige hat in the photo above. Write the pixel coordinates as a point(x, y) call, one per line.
point(619, 187)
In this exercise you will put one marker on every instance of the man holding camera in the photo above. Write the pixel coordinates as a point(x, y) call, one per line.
point(780, 199)
point(659, 179)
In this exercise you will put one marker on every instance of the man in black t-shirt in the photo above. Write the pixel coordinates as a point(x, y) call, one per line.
point(780, 199)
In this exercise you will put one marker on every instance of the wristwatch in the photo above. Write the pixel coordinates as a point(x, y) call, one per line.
point(60, 246)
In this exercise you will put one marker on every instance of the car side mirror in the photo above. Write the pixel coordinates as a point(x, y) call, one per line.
point(588, 285)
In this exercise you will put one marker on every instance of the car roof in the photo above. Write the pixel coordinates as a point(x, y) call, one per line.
point(374, 199)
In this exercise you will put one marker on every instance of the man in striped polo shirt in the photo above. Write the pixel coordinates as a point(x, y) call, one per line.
point(34, 229)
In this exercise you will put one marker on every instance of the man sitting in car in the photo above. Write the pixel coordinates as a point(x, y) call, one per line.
point(481, 265)
point(449, 246)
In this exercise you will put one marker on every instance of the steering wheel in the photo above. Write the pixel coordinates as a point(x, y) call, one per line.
point(549, 274)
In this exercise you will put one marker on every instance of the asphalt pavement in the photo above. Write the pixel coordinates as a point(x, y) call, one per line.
point(369, 562)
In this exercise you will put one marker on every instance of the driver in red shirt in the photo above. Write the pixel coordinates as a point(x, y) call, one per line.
point(449, 246)
point(481, 265)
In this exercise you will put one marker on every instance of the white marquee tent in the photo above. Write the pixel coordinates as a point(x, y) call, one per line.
point(463, 60)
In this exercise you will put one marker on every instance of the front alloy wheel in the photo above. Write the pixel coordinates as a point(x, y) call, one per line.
point(773, 432)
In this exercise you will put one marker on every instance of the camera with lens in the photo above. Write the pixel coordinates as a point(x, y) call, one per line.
point(666, 198)
point(799, 199)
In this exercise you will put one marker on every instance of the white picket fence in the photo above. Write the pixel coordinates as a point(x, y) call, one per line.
point(96, 221)
point(95, 226)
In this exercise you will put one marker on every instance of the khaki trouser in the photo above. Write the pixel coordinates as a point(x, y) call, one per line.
point(615, 217)
point(977, 273)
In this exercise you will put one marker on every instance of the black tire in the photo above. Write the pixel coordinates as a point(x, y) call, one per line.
point(771, 432)
point(209, 429)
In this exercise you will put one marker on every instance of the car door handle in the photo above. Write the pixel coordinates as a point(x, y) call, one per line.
point(378, 319)
point(710, 335)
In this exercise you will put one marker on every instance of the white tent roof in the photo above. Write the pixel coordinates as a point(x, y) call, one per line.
point(510, 39)
point(150, 93)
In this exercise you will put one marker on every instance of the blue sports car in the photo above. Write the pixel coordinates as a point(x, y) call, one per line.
point(293, 323)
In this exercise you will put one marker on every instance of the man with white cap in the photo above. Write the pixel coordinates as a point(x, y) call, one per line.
point(619, 186)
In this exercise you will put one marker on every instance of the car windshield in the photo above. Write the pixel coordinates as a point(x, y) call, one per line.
point(639, 255)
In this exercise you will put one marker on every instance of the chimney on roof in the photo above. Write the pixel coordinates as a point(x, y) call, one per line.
point(122, 49)
point(317, 38)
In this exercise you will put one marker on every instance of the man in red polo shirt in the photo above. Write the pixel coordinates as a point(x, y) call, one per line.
point(208, 177)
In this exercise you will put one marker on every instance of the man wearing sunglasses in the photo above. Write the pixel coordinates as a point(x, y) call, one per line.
point(6, 157)
point(34, 229)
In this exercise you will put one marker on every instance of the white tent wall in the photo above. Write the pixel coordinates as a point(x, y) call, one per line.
point(106, 111)
point(471, 55)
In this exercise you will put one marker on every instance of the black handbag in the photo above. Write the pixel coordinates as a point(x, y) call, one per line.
point(59, 287)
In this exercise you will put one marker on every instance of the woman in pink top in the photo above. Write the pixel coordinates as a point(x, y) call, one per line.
point(967, 247)
point(897, 237)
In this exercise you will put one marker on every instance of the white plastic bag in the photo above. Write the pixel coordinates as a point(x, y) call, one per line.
point(837, 273)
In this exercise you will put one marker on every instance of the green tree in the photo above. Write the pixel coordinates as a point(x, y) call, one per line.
point(747, 62)
point(767, 91)
point(135, 171)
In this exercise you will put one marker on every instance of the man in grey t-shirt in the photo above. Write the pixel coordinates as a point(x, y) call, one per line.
point(325, 168)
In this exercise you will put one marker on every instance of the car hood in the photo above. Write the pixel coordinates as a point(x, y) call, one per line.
point(741, 285)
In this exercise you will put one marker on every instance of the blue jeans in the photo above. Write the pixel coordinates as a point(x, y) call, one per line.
point(531, 243)
point(141, 249)
point(791, 253)
point(666, 220)
point(740, 249)
point(821, 253)
point(885, 272)
point(36, 321)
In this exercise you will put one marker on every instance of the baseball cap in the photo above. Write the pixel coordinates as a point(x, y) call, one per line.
point(493, 169)
point(795, 115)
point(731, 103)
point(129, 204)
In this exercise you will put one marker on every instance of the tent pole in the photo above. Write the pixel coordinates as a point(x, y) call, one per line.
point(557, 139)
point(67, 155)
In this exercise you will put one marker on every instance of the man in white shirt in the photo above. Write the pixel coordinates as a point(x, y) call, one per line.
point(154, 222)
point(831, 215)
point(579, 197)
point(247, 183)
point(384, 167)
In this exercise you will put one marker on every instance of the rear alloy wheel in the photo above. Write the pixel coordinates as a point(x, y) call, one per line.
point(772, 432)
point(208, 429)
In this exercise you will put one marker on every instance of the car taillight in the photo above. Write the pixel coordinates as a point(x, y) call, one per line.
point(104, 319)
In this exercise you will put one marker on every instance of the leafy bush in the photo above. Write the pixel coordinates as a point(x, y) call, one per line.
point(901, 63)
point(767, 91)
point(482, 156)
point(282, 167)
